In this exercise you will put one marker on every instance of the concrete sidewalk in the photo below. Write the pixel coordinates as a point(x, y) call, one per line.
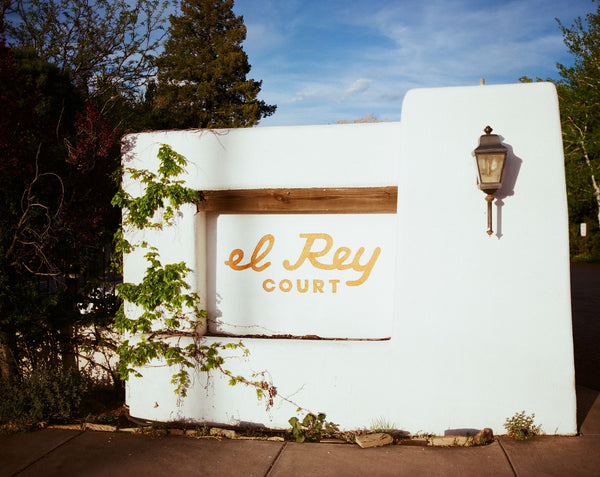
point(54, 452)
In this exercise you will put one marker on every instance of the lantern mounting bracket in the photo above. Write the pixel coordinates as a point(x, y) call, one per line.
point(490, 158)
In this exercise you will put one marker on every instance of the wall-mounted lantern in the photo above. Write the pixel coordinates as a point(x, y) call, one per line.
point(490, 157)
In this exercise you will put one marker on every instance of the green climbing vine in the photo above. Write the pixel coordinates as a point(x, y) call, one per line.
point(162, 311)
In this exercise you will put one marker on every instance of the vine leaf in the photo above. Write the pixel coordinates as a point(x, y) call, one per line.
point(167, 310)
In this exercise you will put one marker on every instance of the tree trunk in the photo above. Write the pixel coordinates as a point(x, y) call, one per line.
point(68, 352)
point(597, 195)
point(595, 184)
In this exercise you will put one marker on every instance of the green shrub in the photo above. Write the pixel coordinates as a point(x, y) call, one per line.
point(521, 426)
point(311, 428)
point(46, 394)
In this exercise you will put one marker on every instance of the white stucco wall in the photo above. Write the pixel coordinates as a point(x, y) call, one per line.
point(479, 327)
point(356, 303)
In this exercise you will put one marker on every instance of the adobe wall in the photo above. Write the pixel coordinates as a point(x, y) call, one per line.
point(434, 325)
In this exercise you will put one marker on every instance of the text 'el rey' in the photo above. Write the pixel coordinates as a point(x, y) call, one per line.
point(315, 252)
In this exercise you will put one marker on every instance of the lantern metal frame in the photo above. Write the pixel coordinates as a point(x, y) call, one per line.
point(490, 158)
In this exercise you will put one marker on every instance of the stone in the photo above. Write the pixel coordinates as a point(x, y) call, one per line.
point(374, 440)
point(218, 432)
point(276, 439)
point(333, 440)
point(99, 427)
point(174, 431)
point(414, 442)
point(483, 437)
point(130, 430)
point(448, 441)
point(66, 427)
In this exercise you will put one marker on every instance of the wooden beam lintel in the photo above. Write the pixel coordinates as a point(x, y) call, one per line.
point(345, 200)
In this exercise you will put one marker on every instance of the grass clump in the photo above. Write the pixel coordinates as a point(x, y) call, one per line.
point(382, 425)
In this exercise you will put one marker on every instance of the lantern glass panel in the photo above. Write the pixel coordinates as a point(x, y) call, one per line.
point(490, 168)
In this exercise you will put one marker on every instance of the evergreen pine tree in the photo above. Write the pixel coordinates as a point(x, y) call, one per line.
point(202, 71)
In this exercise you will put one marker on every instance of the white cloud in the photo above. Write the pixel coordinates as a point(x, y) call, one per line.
point(455, 41)
point(310, 58)
point(303, 95)
point(359, 86)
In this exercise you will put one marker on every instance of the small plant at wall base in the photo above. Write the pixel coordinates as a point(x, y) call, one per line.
point(312, 427)
point(167, 311)
point(382, 425)
point(521, 426)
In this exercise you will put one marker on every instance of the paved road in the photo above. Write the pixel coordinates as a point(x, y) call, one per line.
point(585, 302)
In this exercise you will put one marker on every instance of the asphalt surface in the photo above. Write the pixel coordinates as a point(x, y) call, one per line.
point(54, 452)
point(585, 304)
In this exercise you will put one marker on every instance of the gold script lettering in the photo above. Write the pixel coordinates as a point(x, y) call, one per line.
point(340, 257)
point(366, 268)
point(312, 256)
point(237, 256)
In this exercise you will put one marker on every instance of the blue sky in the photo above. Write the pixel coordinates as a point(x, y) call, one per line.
point(326, 60)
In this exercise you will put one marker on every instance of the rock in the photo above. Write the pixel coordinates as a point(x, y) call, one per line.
point(218, 432)
point(333, 440)
point(131, 430)
point(374, 440)
point(483, 437)
point(276, 439)
point(174, 431)
point(414, 442)
point(448, 441)
point(66, 427)
point(99, 427)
